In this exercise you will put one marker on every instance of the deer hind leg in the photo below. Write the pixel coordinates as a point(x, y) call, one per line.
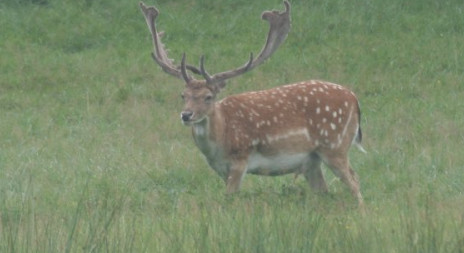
point(340, 166)
point(313, 173)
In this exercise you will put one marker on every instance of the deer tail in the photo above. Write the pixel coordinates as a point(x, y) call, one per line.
point(358, 139)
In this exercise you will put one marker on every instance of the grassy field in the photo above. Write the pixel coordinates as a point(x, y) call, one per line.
point(93, 157)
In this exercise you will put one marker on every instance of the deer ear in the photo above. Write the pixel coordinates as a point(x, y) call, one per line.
point(216, 87)
point(221, 84)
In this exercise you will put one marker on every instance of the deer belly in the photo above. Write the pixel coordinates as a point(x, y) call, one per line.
point(275, 165)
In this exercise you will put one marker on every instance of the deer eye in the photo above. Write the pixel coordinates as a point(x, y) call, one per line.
point(182, 96)
point(209, 99)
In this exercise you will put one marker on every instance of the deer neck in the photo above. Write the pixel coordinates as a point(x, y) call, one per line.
point(205, 134)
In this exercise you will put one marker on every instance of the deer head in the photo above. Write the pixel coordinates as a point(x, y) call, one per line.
point(199, 95)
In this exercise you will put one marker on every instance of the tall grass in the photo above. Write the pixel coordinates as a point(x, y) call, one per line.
point(93, 158)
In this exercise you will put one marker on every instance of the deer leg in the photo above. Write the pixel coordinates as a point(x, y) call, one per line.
point(340, 166)
point(236, 172)
point(313, 174)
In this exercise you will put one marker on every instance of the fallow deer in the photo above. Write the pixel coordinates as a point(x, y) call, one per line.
point(287, 129)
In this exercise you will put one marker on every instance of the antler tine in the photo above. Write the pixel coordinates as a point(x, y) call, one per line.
point(279, 23)
point(183, 69)
point(160, 55)
point(203, 71)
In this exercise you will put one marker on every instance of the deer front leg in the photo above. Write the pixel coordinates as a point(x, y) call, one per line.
point(236, 172)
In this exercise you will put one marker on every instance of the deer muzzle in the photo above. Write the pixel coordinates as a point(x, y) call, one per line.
point(186, 116)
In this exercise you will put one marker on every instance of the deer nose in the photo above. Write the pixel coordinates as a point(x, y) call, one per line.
point(186, 116)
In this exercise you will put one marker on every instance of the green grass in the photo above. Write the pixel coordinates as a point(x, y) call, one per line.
point(93, 157)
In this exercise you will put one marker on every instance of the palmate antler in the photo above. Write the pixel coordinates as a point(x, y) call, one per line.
point(279, 28)
point(279, 23)
point(160, 55)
